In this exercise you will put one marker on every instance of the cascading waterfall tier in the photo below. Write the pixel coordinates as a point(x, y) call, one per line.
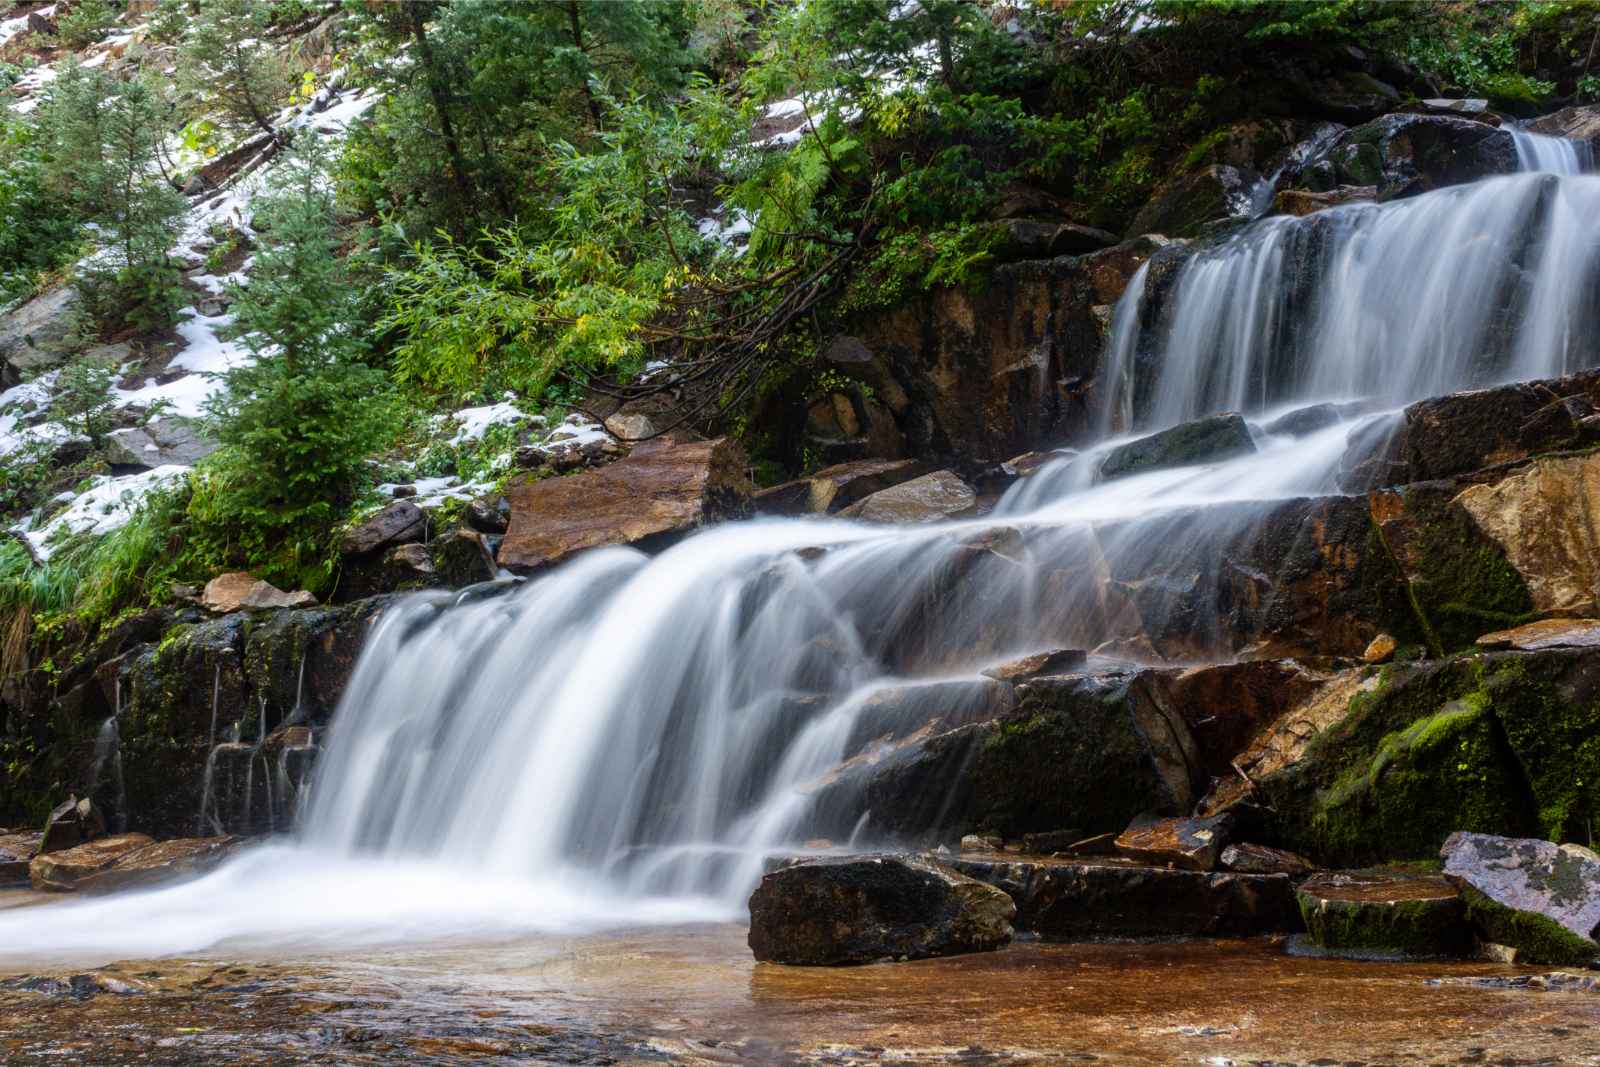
point(628, 730)
point(1463, 287)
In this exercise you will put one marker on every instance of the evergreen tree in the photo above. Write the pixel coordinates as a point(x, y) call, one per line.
point(227, 67)
point(298, 421)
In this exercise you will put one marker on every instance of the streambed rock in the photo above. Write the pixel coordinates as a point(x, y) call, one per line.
point(834, 488)
point(940, 495)
point(1247, 858)
point(661, 490)
point(1194, 844)
point(158, 862)
point(61, 871)
point(16, 852)
point(1406, 154)
point(861, 909)
point(1578, 123)
point(1542, 899)
point(1072, 899)
point(1384, 912)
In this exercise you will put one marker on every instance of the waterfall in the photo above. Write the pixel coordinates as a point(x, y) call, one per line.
point(626, 737)
point(1467, 286)
point(1539, 153)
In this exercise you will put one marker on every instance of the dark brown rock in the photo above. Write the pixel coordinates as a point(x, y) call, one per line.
point(490, 514)
point(1067, 900)
point(16, 851)
point(1259, 859)
point(1406, 154)
point(399, 523)
point(662, 489)
point(1207, 440)
point(860, 909)
point(1056, 661)
point(1050, 841)
point(1183, 206)
point(837, 487)
point(62, 871)
point(70, 824)
point(1193, 844)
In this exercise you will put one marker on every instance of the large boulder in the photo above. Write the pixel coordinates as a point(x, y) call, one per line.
point(16, 852)
point(1208, 440)
point(38, 335)
point(1407, 154)
point(237, 591)
point(662, 490)
point(71, 823)
point(1539, 898)
point(1068, 900)
point(837, 487)
point(861, 909)
point(940, 495)
point(61, 871)
point(401, 522)
point(159, 442)
point(1578, 123)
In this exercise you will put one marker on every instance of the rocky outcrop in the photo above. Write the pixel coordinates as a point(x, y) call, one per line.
point(70, 824)
point(861, 909)
point(401, 522)
point(1383, 913)
point(1578, 123)
point(662, 490)
point(61, 871)
point(940, 495)
point(1068, 900)
point(228, 593)
point(1407, 154)
point(159, 442)
point(837, 487)
point(17, 849)
point(1193, 844)
point(980, 376)
point(38, 335)
point(1208, 440)
point(1539, 898)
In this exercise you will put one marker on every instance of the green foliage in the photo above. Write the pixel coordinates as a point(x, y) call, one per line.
point(82, 400)
point(99, 140)
point(86, 22)
point(228, 69)
point(297, 424)
point(38, 232)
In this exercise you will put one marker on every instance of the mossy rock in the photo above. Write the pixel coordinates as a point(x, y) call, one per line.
point(1384, 913)
point(1411, 763)
point(1536, 938)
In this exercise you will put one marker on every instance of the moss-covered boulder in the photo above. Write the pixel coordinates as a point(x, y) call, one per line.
point(1383, 913)
point(1539, 898)
point(1407, 154)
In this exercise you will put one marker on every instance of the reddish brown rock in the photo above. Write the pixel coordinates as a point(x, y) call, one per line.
point(1192, 844)
point(1380, 650)
point(1040, 663)
point(662, 489)
point(62, 871)
point(1259, 859)
point(159, 862)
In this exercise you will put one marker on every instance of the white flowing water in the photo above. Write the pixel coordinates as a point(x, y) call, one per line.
point(623, 740)
point(1540, 153)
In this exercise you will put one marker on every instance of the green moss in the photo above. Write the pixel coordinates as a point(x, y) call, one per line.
point(1536, 938)
point(1551, 719)
point(1406, 927)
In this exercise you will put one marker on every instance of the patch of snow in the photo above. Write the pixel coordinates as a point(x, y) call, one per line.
point(13, 26)
point(204, 352)
point(577, 430)
point(106, 505)
point(15, 440)
point(475, 422)
point(431, 492)
point(735, 233)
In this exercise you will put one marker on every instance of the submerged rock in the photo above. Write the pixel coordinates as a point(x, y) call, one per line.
point(864, 908)
point(1542, 899)
point(62, 871)
point(1384, 912)
point(662, 489)
point(940, 495)
point(1206, 440)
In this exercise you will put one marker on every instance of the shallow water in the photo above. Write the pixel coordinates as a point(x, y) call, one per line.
point(692, 994)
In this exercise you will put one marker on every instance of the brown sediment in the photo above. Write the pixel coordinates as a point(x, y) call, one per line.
point(693, 995)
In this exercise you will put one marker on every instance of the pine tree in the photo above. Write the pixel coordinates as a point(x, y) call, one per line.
point(228, 68)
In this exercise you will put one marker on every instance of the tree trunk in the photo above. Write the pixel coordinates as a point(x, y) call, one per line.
point(577, 42)
point(458, 163)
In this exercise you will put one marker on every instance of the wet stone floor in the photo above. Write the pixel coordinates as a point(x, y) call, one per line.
point(693, 995)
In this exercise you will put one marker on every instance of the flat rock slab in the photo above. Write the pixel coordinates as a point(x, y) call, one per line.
point(1259, 859)
point(160, 861)
point(940, 495)
point(662, 488)
point(1546, 633)
point(1072, 900)
point(400, 523)
point(1057, 661)
point(835, 488)
point(16, 852)
point(1542, 899)
point(860, 909)
point(62, 871)
point(238, 591)
point(1194, 844)
point(1393, 914)
point(1206, 440)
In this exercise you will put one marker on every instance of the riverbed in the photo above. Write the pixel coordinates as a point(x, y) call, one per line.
point(692, 994)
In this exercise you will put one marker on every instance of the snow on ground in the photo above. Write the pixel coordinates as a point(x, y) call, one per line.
point(473, 423)
point(107, 504)
point(204, 352)
point(13, 26)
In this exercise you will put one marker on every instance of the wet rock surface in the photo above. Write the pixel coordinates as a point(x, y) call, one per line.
point(865, 908)
point(1385, 913)
point(661, 489)
point(17, 848)
point(1406, 154)
point(62, 871)
point(940, 495)
point(837, 487)
point(1539, 898)
point(158, 862)
point(1193, 844)
point(1259, 859)
point(1202, 441)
